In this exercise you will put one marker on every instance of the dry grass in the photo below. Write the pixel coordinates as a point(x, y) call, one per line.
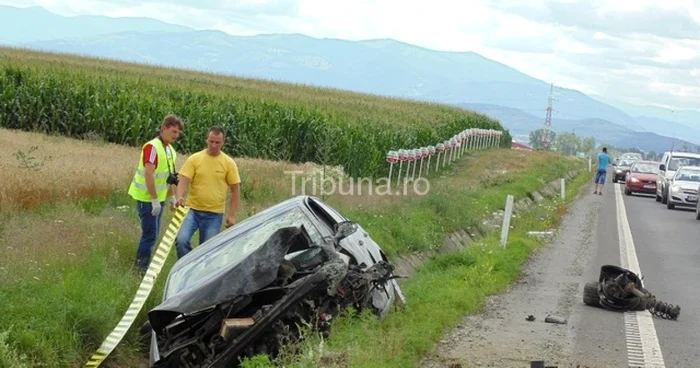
point(64, 168)
point(56, 167)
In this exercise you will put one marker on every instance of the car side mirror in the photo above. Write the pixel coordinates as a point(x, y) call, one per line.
point(344, 229)
point(662, 167)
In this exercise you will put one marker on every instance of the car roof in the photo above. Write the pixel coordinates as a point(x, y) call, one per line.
point(685, 154)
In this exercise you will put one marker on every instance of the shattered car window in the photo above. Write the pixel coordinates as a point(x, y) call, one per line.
point(237, 249)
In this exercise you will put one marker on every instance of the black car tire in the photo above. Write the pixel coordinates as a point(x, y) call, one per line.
point(697, 211)
point(670, 205)
point(590, 294)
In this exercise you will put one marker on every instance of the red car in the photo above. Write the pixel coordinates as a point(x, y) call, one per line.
point(642, 177)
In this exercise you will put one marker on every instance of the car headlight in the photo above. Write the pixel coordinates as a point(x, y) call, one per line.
point(618, 171)
point(634, 180)
point(676, 188)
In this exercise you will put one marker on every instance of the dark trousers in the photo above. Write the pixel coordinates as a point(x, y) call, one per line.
point(150, 229)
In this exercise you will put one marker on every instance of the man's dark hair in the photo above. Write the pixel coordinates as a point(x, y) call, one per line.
point(605, 149)
point(217, 129)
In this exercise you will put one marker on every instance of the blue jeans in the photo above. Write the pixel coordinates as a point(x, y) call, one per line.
point(208, 224)
point(600, 176)
point(150, 229)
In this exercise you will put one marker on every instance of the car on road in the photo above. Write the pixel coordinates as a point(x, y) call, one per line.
point(642, 177)
point(670, 162)
point(683, 187)
point(632, 156)
point(621, 169)
point(247, 289)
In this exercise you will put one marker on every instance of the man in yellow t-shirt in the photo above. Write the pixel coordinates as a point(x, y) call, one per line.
point(209, 174)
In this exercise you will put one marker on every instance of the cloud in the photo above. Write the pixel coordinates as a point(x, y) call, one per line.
point(633, 50)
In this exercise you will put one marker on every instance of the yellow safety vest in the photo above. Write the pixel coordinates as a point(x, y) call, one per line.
point(166, 165)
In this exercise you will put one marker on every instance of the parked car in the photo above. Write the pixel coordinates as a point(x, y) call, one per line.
point(683, 187)
point(247, 289)
point(621, 169)
point(642, 177)
point(670, 162)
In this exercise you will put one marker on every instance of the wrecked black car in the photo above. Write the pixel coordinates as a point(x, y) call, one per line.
point(246, 290)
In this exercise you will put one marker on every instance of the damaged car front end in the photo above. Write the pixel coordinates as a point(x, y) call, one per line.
point(245, 291)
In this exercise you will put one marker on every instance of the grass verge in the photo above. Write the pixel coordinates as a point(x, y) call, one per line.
point(65, 280)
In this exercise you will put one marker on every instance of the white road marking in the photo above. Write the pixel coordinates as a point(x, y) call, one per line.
point(643, 348)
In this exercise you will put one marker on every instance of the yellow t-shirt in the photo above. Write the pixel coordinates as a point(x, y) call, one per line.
point(210, 178)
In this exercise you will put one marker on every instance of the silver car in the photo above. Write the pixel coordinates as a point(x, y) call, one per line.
point(683, 187)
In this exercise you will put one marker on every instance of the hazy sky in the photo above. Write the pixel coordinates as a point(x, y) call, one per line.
point(639, 51)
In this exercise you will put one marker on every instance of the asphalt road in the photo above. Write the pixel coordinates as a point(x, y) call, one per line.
point(635, 232)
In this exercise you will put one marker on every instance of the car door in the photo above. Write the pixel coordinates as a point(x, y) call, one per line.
point(661, 175)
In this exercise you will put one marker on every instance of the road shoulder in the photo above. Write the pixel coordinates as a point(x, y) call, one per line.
point(551, 285)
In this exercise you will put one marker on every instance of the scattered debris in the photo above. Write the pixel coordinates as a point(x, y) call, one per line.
point(555, 319)
point(621, 289)
point(530, 318)
point(540, 364)
point(540, 233)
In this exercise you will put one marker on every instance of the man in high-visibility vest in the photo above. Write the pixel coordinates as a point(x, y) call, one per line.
point(209, 174)
point(155, 179)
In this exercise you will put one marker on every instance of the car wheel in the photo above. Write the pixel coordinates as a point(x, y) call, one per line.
point(664, 198)
point(670, 205)
point(590, 294)
point(658, 197)
point(628, 191)
point(697, 211)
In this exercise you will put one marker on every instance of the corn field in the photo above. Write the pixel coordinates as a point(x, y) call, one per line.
point(125, 103)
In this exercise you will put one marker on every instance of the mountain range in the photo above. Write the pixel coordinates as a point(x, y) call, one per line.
point(382, 67)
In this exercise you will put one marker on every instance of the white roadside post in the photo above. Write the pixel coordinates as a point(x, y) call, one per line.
point(392, 157)
point(589, 164)
point(563, 189)
point(464, 143)
point(403, 157)
point(412, 157)
point(431, 153)
point(506, 220)
point(472, 139)
point(423, 154)
point(446, 144)
point(440, 148)
point(454, 143)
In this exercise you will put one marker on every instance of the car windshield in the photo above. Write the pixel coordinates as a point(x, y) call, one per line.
point(645, 168)
point(234, 251)
point(677, 162)
point(688, 175)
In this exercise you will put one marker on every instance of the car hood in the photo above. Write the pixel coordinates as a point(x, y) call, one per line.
point(254, 272)
point(644, 176)
point(623, 168)
point(692, 185)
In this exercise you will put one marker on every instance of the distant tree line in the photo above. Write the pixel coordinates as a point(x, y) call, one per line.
point(570, 144)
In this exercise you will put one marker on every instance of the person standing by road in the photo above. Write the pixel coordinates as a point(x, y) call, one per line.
point(603, 161)
point(208, 174)
point(155, 179)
